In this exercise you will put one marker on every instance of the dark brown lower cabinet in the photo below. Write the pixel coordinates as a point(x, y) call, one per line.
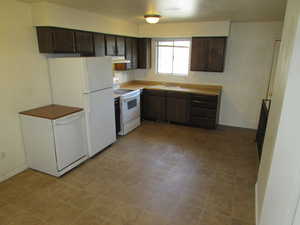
point(177, 107)
point(204, 111)
point(154, 105)
point(183, 108)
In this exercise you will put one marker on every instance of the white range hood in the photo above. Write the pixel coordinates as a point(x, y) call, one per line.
point(119, 59)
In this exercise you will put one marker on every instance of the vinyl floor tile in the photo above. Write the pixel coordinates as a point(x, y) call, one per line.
point(162, 174)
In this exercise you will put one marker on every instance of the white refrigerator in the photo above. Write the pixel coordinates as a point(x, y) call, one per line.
point(87, 82)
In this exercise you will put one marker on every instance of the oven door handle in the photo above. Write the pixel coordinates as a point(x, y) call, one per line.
point(131, 95)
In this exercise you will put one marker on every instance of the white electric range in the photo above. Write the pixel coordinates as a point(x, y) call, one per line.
point(130, 110)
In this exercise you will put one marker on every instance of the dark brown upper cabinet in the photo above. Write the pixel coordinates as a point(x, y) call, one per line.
point(45, 39)
point(114, 45)
point(60, 40)
point(99, 44)
point(134, 59)
point(64, 41)
point(110, 45)
point(120, 46)
point(131, 52)
point(56, 40)
point(84, 43)
point(128, 52)
point(144, 53)
point(199, 54)
point(208, 54)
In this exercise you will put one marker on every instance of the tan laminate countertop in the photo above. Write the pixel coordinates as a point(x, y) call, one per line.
point(180, 87)
point(51, 112)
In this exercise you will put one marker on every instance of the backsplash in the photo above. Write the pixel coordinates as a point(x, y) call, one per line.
point(123, 76)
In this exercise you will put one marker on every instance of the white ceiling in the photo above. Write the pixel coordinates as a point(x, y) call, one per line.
point(183, 10)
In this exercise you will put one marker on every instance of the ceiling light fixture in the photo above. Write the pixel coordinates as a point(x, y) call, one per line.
point(152, 18)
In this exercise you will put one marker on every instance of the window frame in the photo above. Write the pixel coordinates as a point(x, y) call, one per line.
point(156, 46)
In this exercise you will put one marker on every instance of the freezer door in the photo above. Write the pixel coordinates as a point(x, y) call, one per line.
point(70, 139)
point(100, 120)
point(99, 73)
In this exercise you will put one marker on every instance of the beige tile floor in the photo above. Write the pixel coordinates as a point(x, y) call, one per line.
point(160, 174)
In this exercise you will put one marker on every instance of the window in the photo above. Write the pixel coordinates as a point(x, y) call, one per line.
point(172, 57)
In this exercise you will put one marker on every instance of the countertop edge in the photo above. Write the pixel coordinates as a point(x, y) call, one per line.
point(197, 90)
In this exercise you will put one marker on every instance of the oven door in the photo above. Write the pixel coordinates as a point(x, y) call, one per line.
point(130, 106)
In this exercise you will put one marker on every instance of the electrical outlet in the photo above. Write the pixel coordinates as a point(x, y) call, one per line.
point(2, 155)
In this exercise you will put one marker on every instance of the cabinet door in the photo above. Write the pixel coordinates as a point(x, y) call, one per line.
point(45, 39)
point(128, 52)
point(177, 110)
point(99, 42)
point(216, 56)
point(64, 41)
point(144, 53)
point(84, 42)
point(199, 55)
point(110, 45)
point(208, 54)
point(134, 59)
point(154, 107)
point(120, 46)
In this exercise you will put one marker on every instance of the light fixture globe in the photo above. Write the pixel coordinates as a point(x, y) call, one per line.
point(152, 18)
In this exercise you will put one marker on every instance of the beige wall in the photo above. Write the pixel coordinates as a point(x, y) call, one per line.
point(278, 182)
point(248, 64)
point(217, 28)
point(23, 81)
point(48, 14)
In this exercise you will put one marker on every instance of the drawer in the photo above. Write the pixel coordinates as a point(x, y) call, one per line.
point(207, 98)
point(203, 104)
point(202, 112)
point(154, 92)
point(177, 94)
point(203, 122)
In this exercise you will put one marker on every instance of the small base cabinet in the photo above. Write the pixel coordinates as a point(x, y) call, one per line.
point(204, 111)
point(154, 105)
point(55, 146)
point(177, 107)
point(182, 108)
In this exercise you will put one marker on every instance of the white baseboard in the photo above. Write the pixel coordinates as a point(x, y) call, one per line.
point(13, 172)
point(256, 206)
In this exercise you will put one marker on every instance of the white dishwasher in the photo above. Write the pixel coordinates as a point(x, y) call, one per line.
point(55, 138)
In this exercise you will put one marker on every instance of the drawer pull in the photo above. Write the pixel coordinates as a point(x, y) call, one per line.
point(199, 102)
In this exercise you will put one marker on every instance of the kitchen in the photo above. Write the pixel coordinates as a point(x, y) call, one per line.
point(176, 145)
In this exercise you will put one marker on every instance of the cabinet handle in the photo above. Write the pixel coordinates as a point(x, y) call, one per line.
point(197, 101)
